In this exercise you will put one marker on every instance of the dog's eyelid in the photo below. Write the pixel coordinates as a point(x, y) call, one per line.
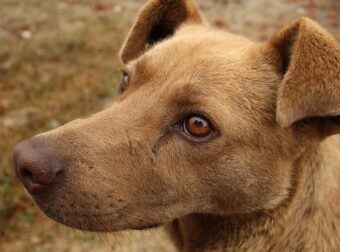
point(125, 81)
point(200, 113)
point(178, 127)
point(126, 78)
point(125, 73)
point(198, 128)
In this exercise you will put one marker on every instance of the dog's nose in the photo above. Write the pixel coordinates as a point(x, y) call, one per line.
point(37, 165)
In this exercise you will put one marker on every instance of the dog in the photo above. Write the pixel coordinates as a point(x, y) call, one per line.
point(228, 143)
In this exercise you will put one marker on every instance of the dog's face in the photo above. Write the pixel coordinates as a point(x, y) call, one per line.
point(204, 122)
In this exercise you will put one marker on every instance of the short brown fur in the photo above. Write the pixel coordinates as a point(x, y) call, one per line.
point(269, 180)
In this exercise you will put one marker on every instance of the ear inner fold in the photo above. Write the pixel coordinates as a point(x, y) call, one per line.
point(310, 65)
point(158, 20)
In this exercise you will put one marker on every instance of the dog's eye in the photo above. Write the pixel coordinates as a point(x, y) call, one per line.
point(197, 126)
point(125, 82)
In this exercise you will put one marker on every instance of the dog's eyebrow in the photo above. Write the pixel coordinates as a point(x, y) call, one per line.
point(186, 95)
point(181, 101)
point(142, 65)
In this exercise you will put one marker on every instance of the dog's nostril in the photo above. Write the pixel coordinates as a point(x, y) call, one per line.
point(58, 173)
point(25, 173)
point(37, 165)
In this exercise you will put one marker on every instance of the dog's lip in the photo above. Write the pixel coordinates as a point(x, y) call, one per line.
point(58, 216)
point(33, 188)
point(148, 226)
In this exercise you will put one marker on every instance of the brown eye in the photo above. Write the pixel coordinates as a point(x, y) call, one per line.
point(125, 82)
point(197, 126)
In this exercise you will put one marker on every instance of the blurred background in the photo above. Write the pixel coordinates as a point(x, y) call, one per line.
point(58, 61)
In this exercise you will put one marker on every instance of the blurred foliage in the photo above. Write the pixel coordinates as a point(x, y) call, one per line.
point(58, 61)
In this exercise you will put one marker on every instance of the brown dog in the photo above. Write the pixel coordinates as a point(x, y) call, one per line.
point(223, 140)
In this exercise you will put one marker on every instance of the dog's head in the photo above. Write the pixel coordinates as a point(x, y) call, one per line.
point(204, 122)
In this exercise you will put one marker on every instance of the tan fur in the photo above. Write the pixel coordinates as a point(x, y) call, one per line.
point(161, 14)
point(268, 182)
point(315, 52)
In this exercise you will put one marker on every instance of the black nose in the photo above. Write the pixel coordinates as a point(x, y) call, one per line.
point(37, 165)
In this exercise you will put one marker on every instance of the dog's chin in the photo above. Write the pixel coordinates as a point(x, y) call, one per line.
point(89, 221)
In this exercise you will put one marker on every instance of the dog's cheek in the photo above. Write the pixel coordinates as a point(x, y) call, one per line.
point(246, 181)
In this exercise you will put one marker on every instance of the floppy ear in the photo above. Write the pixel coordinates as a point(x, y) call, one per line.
point(310, 68)
point(158, 20)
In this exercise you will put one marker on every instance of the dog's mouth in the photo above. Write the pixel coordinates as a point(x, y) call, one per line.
point(145, 227)
point(91, 218)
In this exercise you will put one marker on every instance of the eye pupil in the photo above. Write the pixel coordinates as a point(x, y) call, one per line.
point(199, 123)
point(197, 126)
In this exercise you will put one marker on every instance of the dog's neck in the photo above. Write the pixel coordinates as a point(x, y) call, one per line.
point(305, 222)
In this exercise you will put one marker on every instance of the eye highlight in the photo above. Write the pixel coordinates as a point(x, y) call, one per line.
point(125, 82)
point(197, 126)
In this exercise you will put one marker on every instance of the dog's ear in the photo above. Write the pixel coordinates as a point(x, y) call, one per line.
point(309, 63)
point(158, 20)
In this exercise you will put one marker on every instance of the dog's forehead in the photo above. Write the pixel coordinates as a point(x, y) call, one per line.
point(211, 68)
point(192, 45)
point(204, 58)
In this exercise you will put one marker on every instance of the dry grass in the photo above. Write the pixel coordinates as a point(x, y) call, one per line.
point(58, 61)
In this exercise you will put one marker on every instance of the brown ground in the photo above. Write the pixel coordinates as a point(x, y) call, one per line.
point(58, 61)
